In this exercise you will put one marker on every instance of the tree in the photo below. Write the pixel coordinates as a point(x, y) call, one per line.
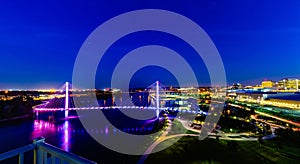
point(260, 141)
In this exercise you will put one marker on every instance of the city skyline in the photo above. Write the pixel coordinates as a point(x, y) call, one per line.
point(40, 41)
point(263, 84)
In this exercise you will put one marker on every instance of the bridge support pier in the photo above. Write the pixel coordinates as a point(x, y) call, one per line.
point(66, 113)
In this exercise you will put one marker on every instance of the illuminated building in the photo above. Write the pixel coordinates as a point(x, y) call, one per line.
point(264, 97)
point(288, 84)
point(236, 86)
point(282, 102)
point(267, 84)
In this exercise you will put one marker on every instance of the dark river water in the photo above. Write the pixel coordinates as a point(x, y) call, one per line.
point(70, 135)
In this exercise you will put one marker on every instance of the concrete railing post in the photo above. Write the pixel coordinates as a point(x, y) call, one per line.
point(37, 153)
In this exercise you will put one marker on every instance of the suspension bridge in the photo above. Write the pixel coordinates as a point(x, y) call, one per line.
point(152, 98)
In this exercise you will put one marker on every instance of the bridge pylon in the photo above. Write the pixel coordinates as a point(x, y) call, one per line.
point(67, 100)
point(157, 99)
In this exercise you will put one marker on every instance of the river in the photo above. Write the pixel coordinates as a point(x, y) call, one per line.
point(70, 135)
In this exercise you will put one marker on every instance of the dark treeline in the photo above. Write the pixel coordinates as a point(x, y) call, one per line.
point(18, 106)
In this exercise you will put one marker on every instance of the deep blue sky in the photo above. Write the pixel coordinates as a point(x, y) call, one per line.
point(39, 40)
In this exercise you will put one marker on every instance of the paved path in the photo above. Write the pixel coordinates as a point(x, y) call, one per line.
point(222, 135)
point(162, 138)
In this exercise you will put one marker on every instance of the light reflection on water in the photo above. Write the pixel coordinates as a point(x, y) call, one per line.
point(66, 136)
point(49, 128)
point(63, 131)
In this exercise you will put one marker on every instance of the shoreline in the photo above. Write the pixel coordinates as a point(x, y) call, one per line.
point(16, 118)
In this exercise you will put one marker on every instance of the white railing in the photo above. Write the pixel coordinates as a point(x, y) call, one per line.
point(44, 153)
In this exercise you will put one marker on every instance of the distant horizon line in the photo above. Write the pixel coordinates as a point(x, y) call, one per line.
point(53, 85)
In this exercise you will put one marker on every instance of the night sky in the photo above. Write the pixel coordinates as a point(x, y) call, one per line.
point(39, 40)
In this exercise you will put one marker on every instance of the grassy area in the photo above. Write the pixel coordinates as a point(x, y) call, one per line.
point(192, 150)
point(177, 128)
point(284, 149)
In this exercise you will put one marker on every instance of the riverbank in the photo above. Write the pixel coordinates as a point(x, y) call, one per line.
point(16, 118)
